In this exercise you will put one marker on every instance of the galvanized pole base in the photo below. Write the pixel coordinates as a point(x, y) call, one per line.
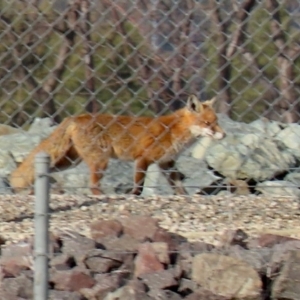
point(41, 223)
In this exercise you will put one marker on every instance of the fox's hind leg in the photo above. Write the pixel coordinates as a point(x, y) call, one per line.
point(97, 168)
point(97, 161)
point(141, 166)
point(96, 173)
point(173, 176)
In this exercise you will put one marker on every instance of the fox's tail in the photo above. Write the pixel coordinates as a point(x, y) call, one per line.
point(60, 148)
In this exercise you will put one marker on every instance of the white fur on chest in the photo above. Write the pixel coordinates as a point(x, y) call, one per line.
point(176, 149)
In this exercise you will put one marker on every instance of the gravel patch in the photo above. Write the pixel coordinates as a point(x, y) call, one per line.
point(199, 218)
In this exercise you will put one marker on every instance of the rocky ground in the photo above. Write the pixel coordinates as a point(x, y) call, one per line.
point(198, 218)
point(112, 248)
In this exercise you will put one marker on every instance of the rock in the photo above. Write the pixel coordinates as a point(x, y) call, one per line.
point(251, 151)
point(293, 177)
point(161, 249)
point(164, 236)
point(106, 283)
point(18, 287)
point(205, 295)
point(270, 128)
point(18, 145)
point(226, 276)
point(118, 173)
point(139, 227)
point(257, 258)
point(279, 255)
point(226, 160)
point(7, 165)
point(186, 252)
point(4, 186)
point(63, 295)
point(239, 187)
point(146, 261)
point(278, 188)
point(269, 240)
point(71, 280)
point(286, 285)
point(290, 138)
point(201, 146)
point(160, 280)
point(63, 262)
point(164, 295)
point(77, 246)
point(133, 290)
point(42, 126)
point(196, 173)
point(125, 243)
point(187, 286)
point(7, 130)
point(189, 163)
point(102, 261)
point(106, 228)
point(15, 258)
point(234, 237)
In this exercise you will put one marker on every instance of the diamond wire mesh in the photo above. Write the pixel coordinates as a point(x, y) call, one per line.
point(143, 58)
point(63, 58)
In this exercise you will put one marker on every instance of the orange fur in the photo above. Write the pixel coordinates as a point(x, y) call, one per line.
point(144, 140)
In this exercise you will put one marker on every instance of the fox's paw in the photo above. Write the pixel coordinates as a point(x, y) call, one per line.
point(136, 191)
point(96, 191)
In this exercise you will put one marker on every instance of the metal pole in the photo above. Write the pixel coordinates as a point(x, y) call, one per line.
point(41, 223)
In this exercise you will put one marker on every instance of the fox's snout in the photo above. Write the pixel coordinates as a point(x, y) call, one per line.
point(215, 133)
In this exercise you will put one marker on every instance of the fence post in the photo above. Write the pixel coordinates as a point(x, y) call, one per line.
point(41, 223)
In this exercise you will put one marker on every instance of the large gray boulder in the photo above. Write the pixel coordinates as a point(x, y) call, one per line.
point(259, 150)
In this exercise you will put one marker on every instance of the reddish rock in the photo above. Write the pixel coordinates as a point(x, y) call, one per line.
point(20, 287)
point(139, 227)
point(77, 245)
point(207, 295)
point(13, 266)
point(162, 235)
point(105, 283)
point(125, 243)
point(160, 280)
point(161, 249)
point(133, 290)
point(16, 258)
point(72, 280)
point(269, 240)
point(105, 228)
point(63, 295)
point(164, 295)
point(146, 261)
point(102, 261)
point(63, 262)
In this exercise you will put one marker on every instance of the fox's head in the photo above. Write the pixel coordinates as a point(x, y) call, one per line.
point(202, 118)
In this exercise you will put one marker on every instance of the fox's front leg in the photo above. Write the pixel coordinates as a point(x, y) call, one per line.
point(96, 174)
point(173, 176)
point(141, 166)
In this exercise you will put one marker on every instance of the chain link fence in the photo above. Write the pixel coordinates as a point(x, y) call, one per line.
point(120, 67)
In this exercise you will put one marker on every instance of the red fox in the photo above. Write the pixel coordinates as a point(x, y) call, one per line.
point(145, 140)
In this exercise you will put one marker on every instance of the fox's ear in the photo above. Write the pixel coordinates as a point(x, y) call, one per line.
point(211, 102)
point(194, 104)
